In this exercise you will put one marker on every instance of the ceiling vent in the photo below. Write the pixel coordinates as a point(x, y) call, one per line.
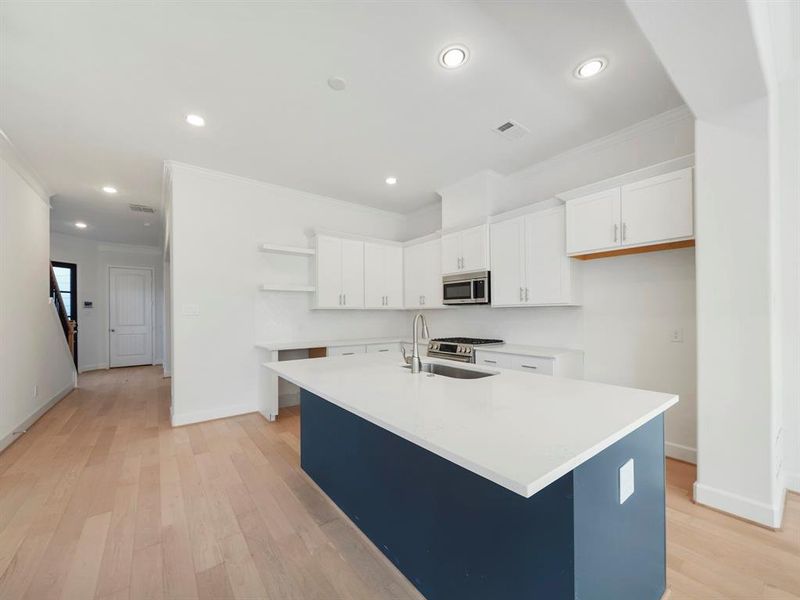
point(142, 208)
point(511, 130)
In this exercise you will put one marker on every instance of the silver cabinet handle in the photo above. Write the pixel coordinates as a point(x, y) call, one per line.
point(423, 299)
point(521, 295)
point(340, 299)
point(624, 231)
point(526, 294)
point(348, 353)
point(344, 299)
point(491, 362)
point(383, 350)
point(530, 366)
point(616, 232)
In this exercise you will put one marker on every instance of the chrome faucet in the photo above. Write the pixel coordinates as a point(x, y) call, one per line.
point(414, 360)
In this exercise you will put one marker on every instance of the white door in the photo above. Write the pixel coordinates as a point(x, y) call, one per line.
point(130, 317)
point(353, 273)
point(508, 262)
point(329, 272)
point(658, 209)
point(547, 265)
point(451, 253)
point(374, 275)
point(475, 248)
point(393, 276)
point(593, 222)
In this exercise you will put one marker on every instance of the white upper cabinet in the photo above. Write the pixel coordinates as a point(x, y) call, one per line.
point(423, 278)
point(466, 250)
point(530, 266)
point(654, 210)
point(658, 209)
point(508, 262)
point(593, 222)
point(383, 276)
point(339, 273)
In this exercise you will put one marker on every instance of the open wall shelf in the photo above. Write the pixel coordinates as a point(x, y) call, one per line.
point(286, 287)
point(290, 250)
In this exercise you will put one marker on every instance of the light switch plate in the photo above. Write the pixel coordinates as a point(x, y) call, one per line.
point(626, 486)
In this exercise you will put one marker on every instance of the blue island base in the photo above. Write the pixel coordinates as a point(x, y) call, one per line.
point(458, 536)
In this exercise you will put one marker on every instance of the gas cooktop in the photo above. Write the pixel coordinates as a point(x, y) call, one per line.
point(457, 348)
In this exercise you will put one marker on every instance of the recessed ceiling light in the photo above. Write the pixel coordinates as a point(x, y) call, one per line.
point(453, 56)
point(391, 180)
point(195, 120)
point(147, 224)
point(80, 225)
point(337, 84)
point(109, 189)
point(591, 67)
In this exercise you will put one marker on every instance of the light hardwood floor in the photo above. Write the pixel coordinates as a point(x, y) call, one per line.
point(103, 499)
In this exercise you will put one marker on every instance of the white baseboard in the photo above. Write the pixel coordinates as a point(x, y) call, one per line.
point(792, 481)
point(746, 508)
point(198, 416)
point(85, 368)
point(6, 441)
point(684, 453)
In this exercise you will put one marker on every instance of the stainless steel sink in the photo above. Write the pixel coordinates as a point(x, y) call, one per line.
point(454, 372)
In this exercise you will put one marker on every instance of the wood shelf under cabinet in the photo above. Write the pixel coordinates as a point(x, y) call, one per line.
point(636, 250)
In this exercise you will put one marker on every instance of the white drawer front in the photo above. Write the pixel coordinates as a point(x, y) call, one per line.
point(491, 359)
point(346, 350)
point(533, 364)
point(383, 348)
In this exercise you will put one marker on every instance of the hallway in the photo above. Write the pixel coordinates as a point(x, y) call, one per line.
point(103, 499)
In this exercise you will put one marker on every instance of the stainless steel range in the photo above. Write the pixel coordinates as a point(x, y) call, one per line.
point(457, 348)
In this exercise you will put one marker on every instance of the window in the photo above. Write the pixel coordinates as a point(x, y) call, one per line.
point(66, 276)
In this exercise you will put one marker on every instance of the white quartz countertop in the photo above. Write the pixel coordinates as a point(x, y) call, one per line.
point(520, 430)
point(301, 344)
point(525, 350)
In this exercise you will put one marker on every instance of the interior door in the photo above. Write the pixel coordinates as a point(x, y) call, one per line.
point(130, 317)
point(547, 265)
point(475, 248)
point(658, 209)
point(353, 273)
point(508, 274)
point(593, 222)
point(329, 272)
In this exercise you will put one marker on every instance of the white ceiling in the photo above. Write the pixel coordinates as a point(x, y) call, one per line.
point(95, 94)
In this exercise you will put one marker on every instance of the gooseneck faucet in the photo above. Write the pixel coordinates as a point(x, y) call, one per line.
point(414, 360)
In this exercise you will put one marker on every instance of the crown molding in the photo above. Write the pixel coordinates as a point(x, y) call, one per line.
point(9, 153)
point(172, 166)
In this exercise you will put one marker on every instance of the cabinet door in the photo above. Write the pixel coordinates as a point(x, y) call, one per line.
point(451, 253)
point(593, 222)
point(346, 350)
point(508, 262)
point(492, 359)
point(353, 273)
point(431, 274)
point(386, 348)
point(413, 275)
point(533, 364)
point(374, 275)
point(658, 209)
point(393, 276)
point(547, 266)
point(475, 248)
point(329, 272)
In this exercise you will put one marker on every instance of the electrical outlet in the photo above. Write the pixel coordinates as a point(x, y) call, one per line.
point(676, 335)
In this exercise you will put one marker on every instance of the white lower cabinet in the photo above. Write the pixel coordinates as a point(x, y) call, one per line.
point(375, 348)
point(422, 279)
point(530, 266)
point(564, 364)
point(346, 350)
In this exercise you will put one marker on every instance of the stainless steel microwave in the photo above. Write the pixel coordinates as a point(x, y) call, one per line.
point(473, 288)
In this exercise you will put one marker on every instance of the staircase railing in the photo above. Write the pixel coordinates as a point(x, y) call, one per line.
point(66, 324)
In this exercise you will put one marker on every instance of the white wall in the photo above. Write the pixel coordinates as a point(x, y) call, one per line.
point(94, 259)
point(35, 365)
point(217, 223)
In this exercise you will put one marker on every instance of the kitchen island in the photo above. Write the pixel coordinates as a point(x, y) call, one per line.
point(514, 485)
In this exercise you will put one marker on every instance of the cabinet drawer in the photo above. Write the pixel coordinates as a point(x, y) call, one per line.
point(383, 348)
point(491, 359)
point(533, 364)
point(346, 350)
